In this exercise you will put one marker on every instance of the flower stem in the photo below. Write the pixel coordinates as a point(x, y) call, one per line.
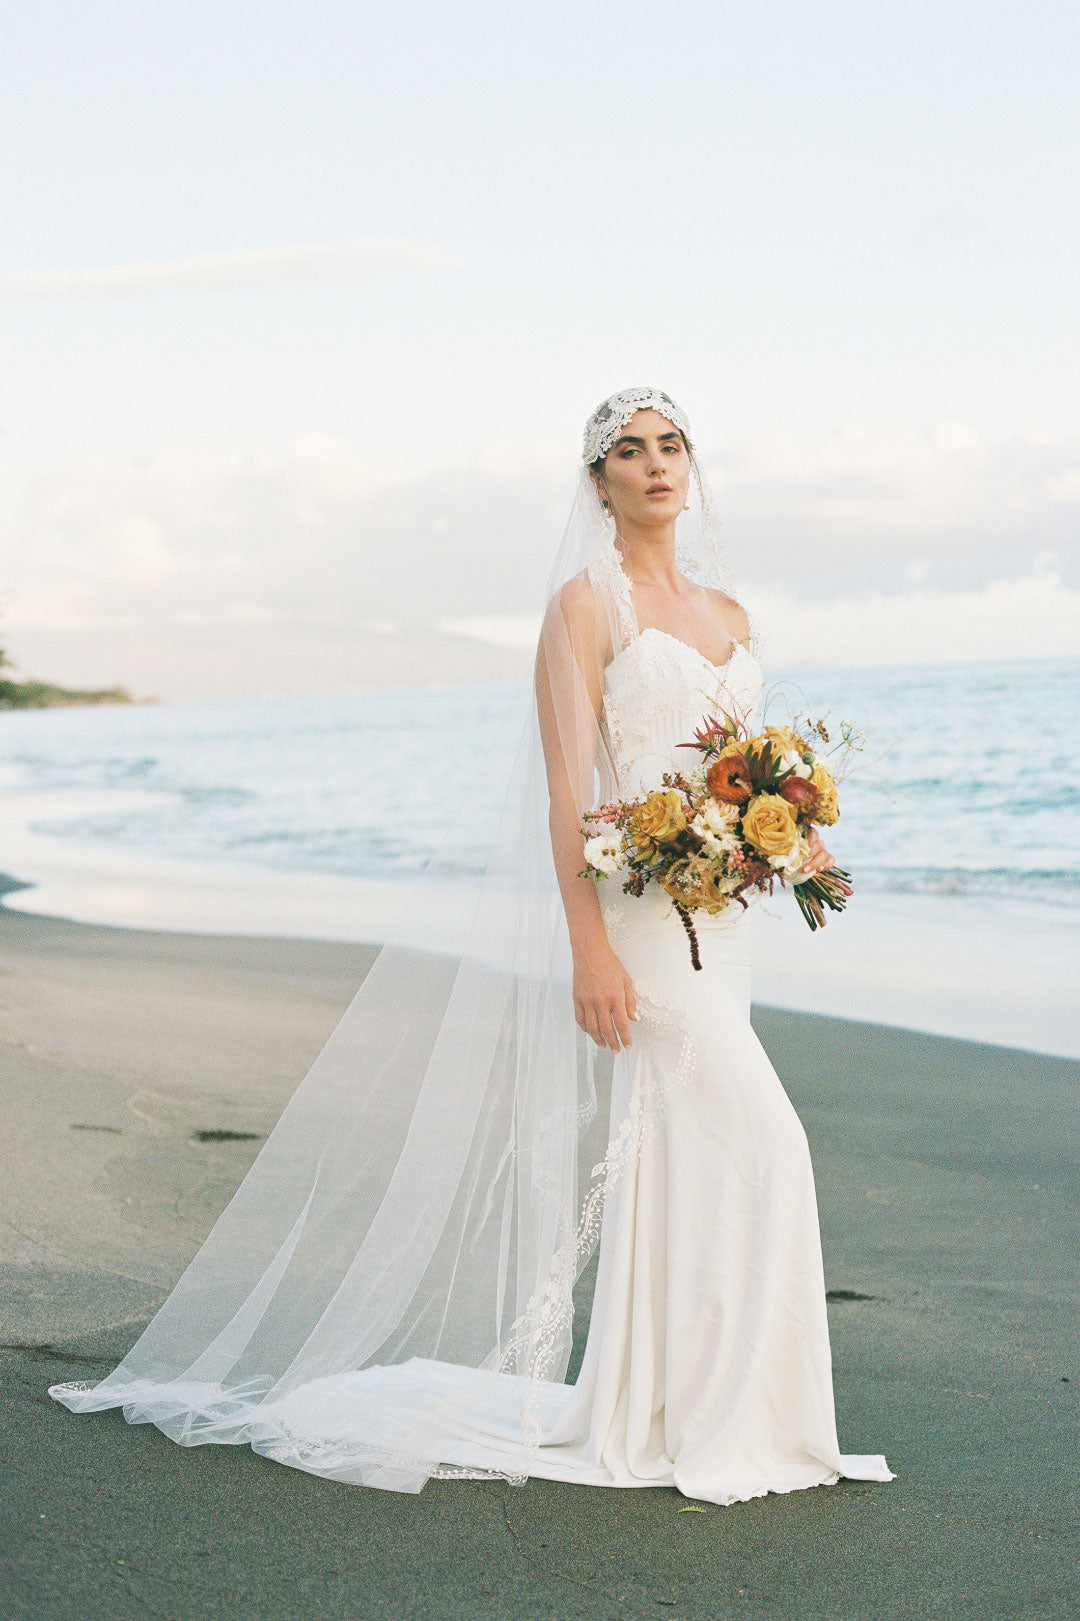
point(830, 888)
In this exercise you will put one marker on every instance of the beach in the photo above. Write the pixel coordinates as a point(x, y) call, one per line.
point(143, 1068)
point(283, 818)
point(371, 533)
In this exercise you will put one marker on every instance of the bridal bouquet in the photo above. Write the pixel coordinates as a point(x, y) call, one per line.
point(736, 824)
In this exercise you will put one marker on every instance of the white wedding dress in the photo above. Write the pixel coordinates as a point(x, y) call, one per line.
point(707, 1365)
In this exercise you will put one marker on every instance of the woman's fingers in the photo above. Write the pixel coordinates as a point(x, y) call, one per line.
point(607, 1016)
point(592, 1028)
point(819, 859)
point(604, 1002)
point(621, 1020)
point(607, 1025)
point(613, 1024)
point(581, 1013)
point(624, 1014)
point(587, 1018)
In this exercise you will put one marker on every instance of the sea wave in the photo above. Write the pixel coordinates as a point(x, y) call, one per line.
point(954, 795)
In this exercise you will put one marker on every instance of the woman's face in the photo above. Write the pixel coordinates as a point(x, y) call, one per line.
point(646, 473)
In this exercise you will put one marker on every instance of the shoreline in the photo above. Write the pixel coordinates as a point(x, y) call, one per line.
point(973, 967)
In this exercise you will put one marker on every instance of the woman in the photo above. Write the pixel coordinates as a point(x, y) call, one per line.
point(390, 1294)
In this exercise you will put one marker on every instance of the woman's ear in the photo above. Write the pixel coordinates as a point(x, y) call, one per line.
point(598, 486)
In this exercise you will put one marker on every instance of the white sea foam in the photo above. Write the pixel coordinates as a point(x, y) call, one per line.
point(284, 817)
point(987, 969)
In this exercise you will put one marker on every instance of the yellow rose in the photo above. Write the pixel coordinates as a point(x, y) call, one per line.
point(661, 819)
point(769, 825)
point(783, 739)
point(827, 808)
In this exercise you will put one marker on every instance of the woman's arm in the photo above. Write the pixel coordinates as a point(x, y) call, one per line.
point(569, 697)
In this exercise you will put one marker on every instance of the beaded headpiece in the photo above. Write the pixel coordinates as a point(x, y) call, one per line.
point(610, 418)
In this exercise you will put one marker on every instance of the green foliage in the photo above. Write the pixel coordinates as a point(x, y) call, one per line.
point(44, 695)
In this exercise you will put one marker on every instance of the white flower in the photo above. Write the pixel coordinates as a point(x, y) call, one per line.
point(790, 760)
point(717, 818)
point(718, 844)
point(715, 826)
point(606, 851)
point(789, 866)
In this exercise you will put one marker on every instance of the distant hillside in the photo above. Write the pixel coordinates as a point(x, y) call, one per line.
point(44, 695)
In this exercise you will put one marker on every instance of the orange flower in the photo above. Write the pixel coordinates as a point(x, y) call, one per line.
point(728, 778)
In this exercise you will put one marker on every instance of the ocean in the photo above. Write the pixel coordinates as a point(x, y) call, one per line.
point(969, 783)
point(308, 816)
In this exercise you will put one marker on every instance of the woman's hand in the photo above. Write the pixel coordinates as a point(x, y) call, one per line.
point(604, 1001)
point(819, 858)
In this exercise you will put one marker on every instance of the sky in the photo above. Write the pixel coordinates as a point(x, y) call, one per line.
point(303, 308)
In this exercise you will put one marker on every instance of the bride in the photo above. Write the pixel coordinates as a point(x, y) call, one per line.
point(390, 1294)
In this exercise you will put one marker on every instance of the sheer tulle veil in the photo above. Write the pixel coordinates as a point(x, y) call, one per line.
point(422, 1209)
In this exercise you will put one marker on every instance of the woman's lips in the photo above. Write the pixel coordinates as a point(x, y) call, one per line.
point(659, 489)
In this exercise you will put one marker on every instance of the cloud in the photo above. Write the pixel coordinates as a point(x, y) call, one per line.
point(518, 631)
point(844, 509)
point(953, 225)
point(303, 566)
point(258, 267)
point(310, 534)
point(1067, 487)
point(1027, 616)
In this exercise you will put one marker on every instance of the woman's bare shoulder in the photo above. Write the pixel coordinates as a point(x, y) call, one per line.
point(576, 601)
point(579, 612)
point(731, 613)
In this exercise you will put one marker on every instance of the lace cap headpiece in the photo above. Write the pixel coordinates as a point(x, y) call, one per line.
point(611, 417)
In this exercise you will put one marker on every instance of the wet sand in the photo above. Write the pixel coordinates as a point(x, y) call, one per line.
point(141, 1070)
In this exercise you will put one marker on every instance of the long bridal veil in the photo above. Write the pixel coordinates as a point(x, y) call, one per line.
point(418, 1217)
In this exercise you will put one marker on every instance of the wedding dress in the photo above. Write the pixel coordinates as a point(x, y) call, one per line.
point(389, 1295)
point(708, 1364)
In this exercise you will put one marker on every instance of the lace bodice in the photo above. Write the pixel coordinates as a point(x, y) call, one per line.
point(657, 691)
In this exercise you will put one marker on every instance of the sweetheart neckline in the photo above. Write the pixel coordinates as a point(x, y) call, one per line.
point(737, 648)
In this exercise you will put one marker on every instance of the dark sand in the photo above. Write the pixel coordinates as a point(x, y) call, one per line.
point(947, 1179)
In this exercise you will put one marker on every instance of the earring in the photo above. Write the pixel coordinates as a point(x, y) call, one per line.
point(686, 508)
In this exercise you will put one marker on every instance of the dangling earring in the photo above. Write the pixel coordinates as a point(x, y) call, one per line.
point(686, 508)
